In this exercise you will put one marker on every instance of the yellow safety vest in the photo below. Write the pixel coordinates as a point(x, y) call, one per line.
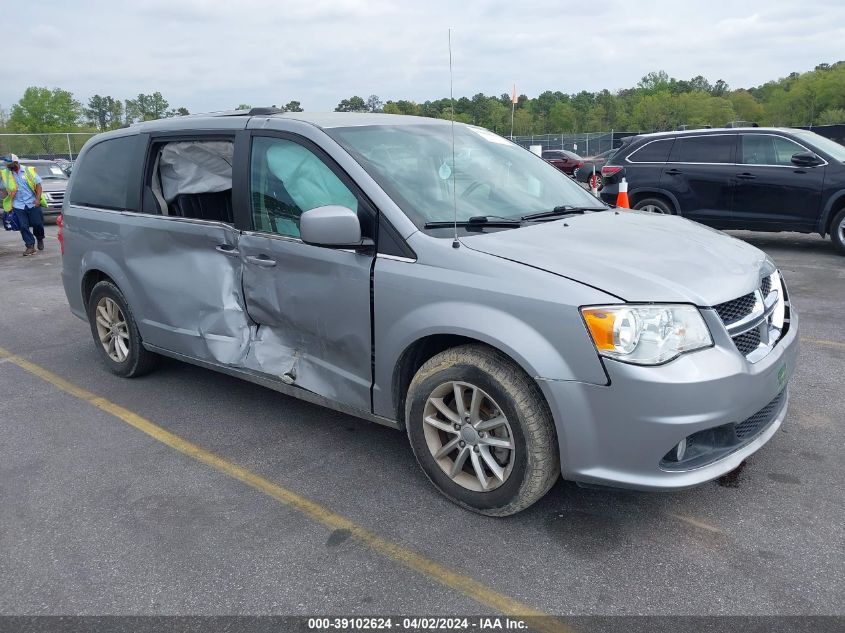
point(11, 186)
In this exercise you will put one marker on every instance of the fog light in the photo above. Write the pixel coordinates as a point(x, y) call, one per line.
point(681, 449)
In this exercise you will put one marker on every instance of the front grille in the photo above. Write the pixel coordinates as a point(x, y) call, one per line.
point(749, 427)
point(748, 341)
point(732, 311)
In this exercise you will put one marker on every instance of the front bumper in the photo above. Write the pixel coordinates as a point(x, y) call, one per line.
point(618, 434)
point(52, 210)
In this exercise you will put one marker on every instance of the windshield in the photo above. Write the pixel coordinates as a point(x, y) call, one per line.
point(49, 171)
point(491, 175)
point(832, 148)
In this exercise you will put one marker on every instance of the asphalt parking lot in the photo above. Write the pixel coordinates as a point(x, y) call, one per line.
point(309, 511)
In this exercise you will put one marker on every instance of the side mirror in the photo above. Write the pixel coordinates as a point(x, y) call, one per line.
point(332, 226)
point(806, 159)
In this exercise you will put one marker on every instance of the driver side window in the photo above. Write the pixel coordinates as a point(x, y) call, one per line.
point(287, 179)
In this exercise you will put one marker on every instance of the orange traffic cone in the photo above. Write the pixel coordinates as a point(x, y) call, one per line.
point(622, 196)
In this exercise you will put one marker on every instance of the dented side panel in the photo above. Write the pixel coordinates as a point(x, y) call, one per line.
point(312, 310)
point(188, 290)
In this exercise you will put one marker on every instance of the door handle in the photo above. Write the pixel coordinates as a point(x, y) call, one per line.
point(746, 176)
point(261, 260)
point(227, 249)
point(673, 172)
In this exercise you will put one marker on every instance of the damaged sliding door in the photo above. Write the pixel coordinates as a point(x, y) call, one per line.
point(187, 274)
point(311, 304)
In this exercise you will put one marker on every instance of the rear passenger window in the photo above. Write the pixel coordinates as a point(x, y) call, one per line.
point(102, 178)
point(191, 179)
point(653, 152)
point(718, 148)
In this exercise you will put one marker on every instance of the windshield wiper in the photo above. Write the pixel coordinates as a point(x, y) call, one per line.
point(564, 209)
point(477, 220)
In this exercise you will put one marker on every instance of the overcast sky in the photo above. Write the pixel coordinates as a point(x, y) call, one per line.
point(212, 55)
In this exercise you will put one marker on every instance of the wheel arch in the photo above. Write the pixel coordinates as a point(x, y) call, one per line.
point(96, 267)
point(635, 195)
point(427, 346)
point(831, 209)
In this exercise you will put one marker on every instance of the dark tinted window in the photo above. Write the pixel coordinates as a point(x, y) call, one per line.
point(101, 179)
point(767, 149)
point(703, 149)
point(653, 152)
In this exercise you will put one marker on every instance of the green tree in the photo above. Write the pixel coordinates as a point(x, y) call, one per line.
point(293, 106)
point(746, 106)
point(104, 113)
point(374, 104)
point(146, 107)
point(352, 104)
point(831, 116)
point(45, 110)
point(562, 117)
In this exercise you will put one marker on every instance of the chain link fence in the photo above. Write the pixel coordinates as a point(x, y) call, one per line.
point(51, 146)
point(583, 144)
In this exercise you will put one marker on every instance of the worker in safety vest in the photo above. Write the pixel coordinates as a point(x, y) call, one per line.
point(22, 195)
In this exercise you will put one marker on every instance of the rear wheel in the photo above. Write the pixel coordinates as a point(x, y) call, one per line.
point(654, 205)
point(837, 231)
point(481, 430)
point(116, 333)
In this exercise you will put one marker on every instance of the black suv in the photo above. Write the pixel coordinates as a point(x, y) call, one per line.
point(761, 179)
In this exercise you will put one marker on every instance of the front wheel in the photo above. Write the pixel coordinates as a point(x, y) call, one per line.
point(837, 231)
point(481, 431)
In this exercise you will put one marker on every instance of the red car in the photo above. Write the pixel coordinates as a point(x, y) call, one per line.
point(564, 160)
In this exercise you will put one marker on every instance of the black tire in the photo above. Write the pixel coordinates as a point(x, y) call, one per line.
point(659, 205)
point(138, 361)
point(837, 231)
point(534, 462)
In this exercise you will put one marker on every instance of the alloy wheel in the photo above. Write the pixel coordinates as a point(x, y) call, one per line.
point(469, 436)
point(112, 329)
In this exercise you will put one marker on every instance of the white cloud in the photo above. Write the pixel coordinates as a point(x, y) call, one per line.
point(213, 54)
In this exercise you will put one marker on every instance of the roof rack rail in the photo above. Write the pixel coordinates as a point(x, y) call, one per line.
point(742, 124)
point(265, 110)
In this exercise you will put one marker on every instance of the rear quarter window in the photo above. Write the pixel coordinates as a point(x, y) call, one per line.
point(102, 177)
point(652, 152)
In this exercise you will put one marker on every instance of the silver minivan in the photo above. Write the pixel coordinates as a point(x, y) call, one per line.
point(434, 278)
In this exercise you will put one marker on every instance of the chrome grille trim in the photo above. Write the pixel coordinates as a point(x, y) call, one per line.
point(752, 327)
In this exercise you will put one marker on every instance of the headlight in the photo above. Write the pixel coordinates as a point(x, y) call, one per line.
point(646, 334)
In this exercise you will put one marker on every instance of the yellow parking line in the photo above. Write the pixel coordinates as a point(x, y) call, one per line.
point(313, 510)
point(823, 342)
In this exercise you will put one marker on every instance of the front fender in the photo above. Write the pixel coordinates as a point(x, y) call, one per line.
point(525, 317)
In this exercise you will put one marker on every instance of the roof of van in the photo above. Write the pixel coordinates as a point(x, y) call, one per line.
point(319, 119)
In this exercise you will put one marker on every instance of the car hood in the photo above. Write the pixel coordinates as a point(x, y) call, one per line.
point(634, 256)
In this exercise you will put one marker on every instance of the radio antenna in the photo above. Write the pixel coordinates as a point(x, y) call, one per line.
point(455, 243)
